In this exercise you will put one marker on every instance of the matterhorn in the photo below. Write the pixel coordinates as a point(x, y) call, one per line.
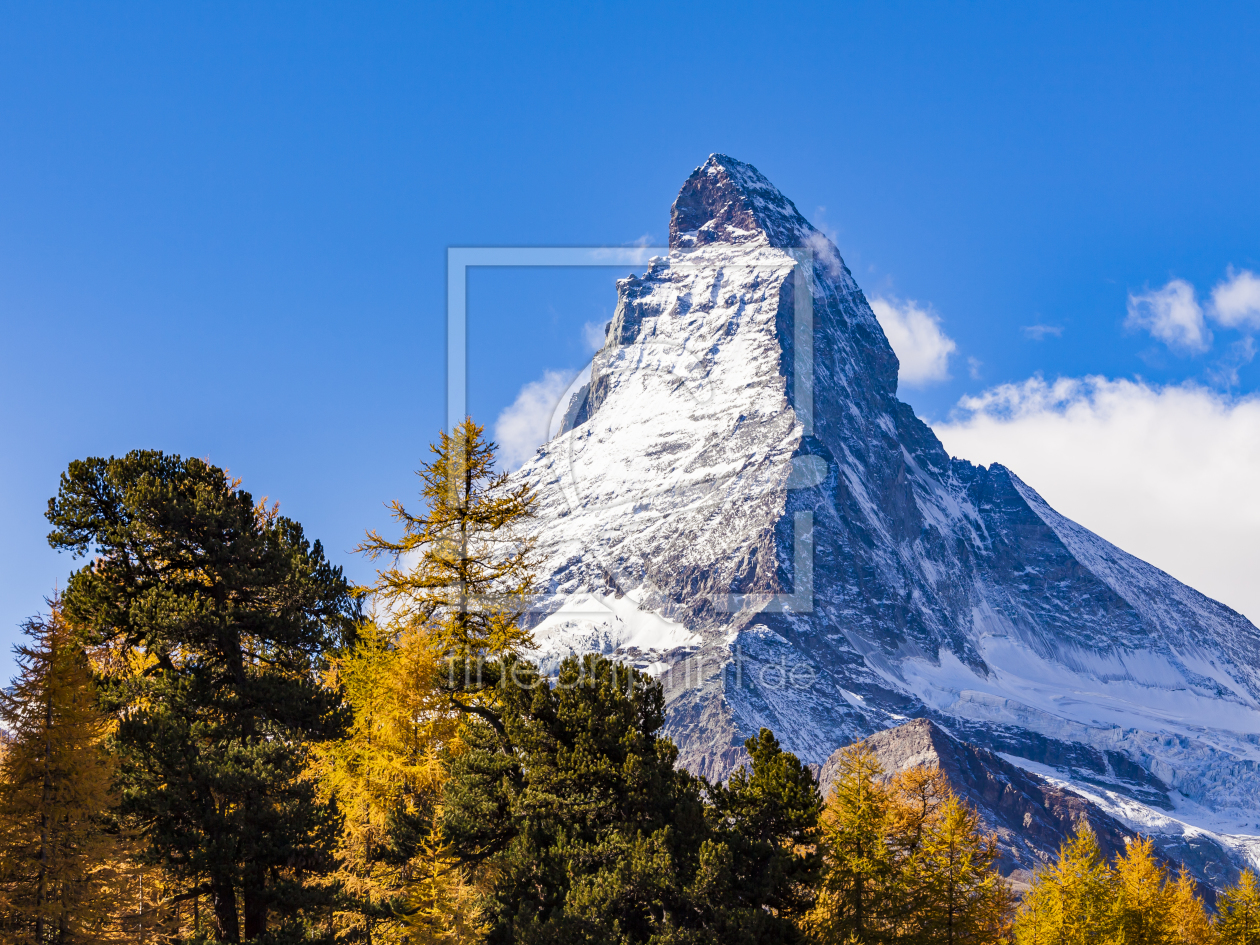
point(737, 502)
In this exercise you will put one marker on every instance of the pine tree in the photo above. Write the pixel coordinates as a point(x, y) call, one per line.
point(218, 614)
point(472, 574)
point(766, 819)
point(1186, 916)
point(1071, 902)
point(1143, 903)
point(586, 829)
point(1238, 912)
point(59, 857)
point(858, 887)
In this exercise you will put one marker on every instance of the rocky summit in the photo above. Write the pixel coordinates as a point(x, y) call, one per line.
point(737, 502)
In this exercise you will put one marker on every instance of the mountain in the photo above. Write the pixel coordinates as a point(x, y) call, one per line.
point(738, 502)
point(1030, 816)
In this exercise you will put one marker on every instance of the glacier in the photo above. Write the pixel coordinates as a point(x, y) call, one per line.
point(735, 500)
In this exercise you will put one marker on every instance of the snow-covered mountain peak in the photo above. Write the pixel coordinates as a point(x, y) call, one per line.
point(728, 201)
point(738, 501)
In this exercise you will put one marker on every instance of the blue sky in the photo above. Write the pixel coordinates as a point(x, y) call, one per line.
point(223, 226)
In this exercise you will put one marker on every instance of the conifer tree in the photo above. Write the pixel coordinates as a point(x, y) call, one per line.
point(218, 614)
point(1071, 902)
point(1143, 903)
point(765, 834)
point(462, 572)
point(1189, 922)
point(961, 898)
point(916, 796)
point(386, 776)
point(59, 857)
point(1238, 912)
point(858, 888)
point(586, 830)
point(442, 907)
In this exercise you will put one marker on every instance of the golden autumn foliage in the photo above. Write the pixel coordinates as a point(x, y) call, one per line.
point(1083, 900)
point(1238, 912)
point(63, 866)
point(462, 573)
point(906, 861)
point(1186, 916)
point(386, 776)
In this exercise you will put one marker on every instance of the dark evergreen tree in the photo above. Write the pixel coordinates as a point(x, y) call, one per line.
point(591, 834)
point(767, 818)
point(218, 613)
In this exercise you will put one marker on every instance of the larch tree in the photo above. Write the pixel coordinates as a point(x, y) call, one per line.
point(386, 776)
point(1186, 915)
point(916, 796)
point(59, 852)
point(1143, 900)
point(962, 898)
point(462, 572)
point(1238, 912)
point(1071, 902)
point(857, 889)
point(219, 614)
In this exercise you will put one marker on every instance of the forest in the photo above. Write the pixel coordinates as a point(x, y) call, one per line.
point(214, 736)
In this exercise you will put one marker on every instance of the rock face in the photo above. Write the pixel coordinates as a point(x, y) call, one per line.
point(739, 503)
point(1030, 816)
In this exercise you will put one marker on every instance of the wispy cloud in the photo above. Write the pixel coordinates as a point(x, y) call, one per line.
point(1172, 315)
point(1224, 373)
point(914, 331)
point(593, 333)
point(523, 426)
point(1167, 473)
point(1039, 332)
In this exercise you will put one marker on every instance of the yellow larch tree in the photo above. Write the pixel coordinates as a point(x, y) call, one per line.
point(1186, 915)
point(963, 899)
point(1238, 912)
point(61, 860)
point(386, 776)
point(462, 573)
point(1143, 900)
point(905, 861)
point(858, 880)
point(1071, 902)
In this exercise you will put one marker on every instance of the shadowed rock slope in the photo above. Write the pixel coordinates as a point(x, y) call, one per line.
point(1030, 816)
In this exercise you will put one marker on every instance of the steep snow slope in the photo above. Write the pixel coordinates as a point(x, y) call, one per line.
point(738, 501)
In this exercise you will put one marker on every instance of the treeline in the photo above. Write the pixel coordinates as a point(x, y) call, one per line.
point(210, 740)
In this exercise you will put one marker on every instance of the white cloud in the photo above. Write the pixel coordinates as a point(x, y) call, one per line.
point(1236, 300)
point(524, 425)
point(593, 334)
point(1167, 473)
point(825, 254)
point(1172, 315)
point(916, 337)
point(1039, 332)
